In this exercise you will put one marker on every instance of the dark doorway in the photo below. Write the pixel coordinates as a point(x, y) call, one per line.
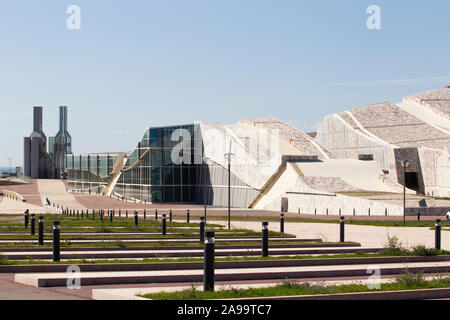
point(412, 181)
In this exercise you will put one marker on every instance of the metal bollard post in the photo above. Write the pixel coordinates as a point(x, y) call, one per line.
point(78, 213)
point(41, 231)
point(385, 212)
point(437, 234)
point(56, 239)
point(120, 213)
point(202, 229)
point(126, 214)
point(208, 264)
point(136, 219)
point(418, 215)
point(282, 223)
point(82, 214)
point(342, 230)
point(111, 215)
point(164, 225)
point(145, 214)
point(265, 239)
point(26, 218)
point(354, 212)
point(170, 215)
point(156, 214)
point(101, 215)
point(340, 211)
point(33, 226)
point(369, 212)
point(188, 218)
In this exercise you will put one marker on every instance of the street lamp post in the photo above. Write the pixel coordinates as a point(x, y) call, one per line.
point(404, 164)
point(229, 156)
point(204, 163)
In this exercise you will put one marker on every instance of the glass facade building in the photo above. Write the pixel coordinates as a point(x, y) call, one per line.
point(150, 174)
point(164, 167)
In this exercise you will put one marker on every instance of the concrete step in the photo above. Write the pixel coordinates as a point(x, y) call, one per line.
point(199, 246)
point(45, 255)
point(148, 266)
point(159, 240)
point(272, 273)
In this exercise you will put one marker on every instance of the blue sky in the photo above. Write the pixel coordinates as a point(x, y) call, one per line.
point(135, 64)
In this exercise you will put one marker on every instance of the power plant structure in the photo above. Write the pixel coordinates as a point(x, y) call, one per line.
point(43, 163)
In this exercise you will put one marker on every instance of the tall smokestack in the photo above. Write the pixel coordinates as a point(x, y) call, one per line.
point(37, 119)
point(62, 118)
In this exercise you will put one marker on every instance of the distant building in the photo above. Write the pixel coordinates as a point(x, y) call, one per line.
point(40, 163)
point(36, 158)
point(60, 145)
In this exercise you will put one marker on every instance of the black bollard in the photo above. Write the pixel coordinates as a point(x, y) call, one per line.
point(327, 211)
point(170, 215)
point(369, 212)
point(385, 212)
point(120, 213)
point(145, 214)
point(342, 229)
point(339, 211)
point(315, 211)
point(101, 215)
point(354, 212)
point(26, 218)
point(78, 213)
point(156, 214)
point(202, 229)
point(265, 239)
point(93, 214)
point(41, 231)
point(208, 264)
point(418, 215)
point(437, 234)
point(33, 225)
point(164, 225)
point(87, 213)
point(111, 215)
point(126, 214)
point(56, 239)
point(82, 214)
point(136, 219)
point(282, 223)
point(188, 218)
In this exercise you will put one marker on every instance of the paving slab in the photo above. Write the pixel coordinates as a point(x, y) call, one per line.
point(93, 278)
point(43, 255)
point(367, 236)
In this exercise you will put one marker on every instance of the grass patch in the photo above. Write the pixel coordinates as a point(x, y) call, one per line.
point(406, 281)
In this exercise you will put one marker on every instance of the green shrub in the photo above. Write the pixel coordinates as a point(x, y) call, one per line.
point(3, 260)
point(411, 280)
point(394, 247)
point(421, 250)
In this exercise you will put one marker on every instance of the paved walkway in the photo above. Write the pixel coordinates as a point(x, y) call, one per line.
point(55, 191)
point(9, 206)
point(368, 236)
